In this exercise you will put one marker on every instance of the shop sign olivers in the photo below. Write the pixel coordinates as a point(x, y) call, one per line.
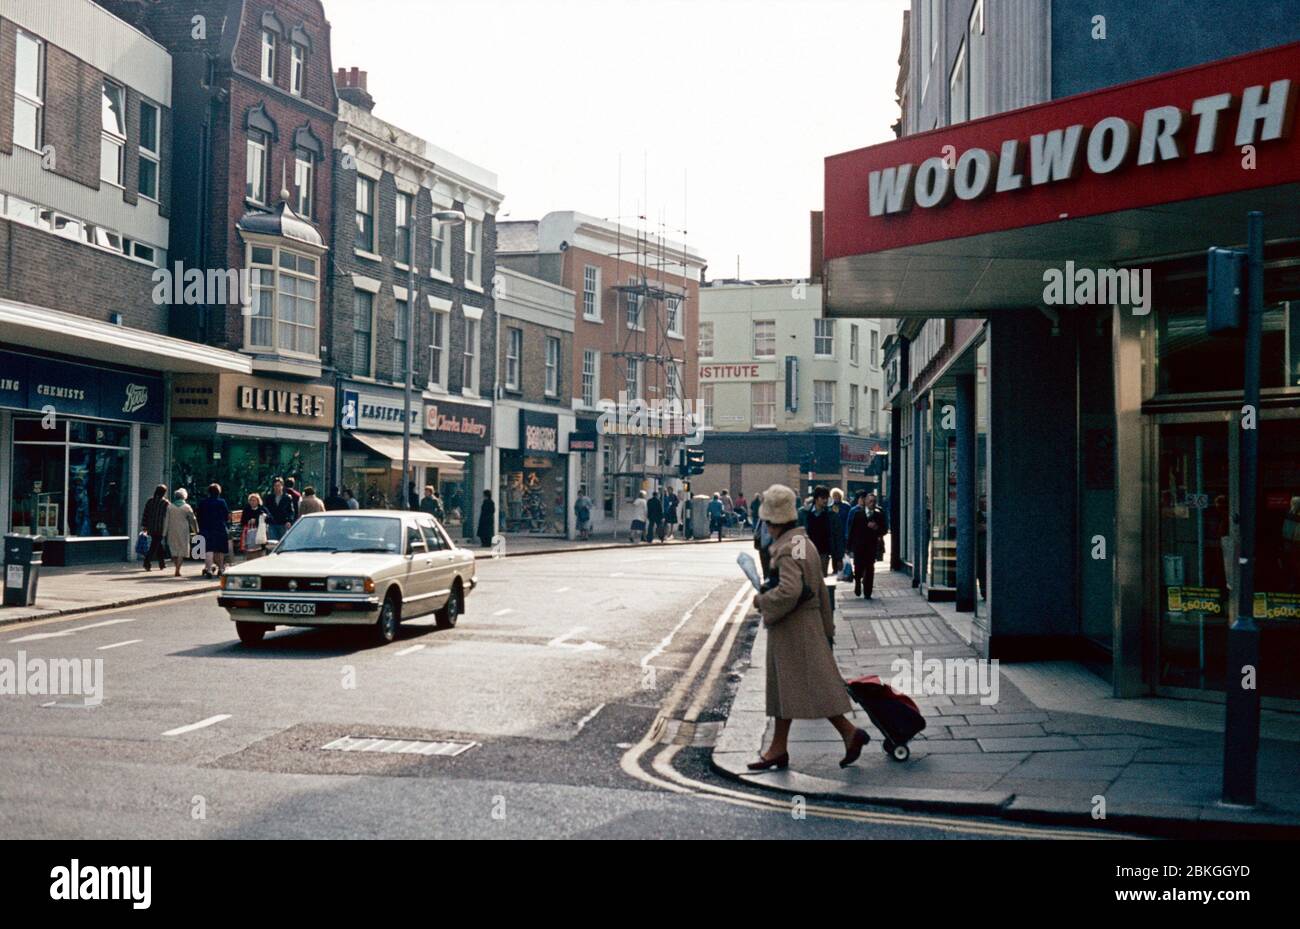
point(1054, 155)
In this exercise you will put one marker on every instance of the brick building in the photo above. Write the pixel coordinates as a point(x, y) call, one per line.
point(384, 175)
point(636, 331)
point(86, 211)
point(254, 112)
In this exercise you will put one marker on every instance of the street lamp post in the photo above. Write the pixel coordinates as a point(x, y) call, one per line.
point(442, 218)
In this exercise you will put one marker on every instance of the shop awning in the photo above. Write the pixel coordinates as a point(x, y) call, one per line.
point(978, 217)
point(39, 327)
point(422, 453)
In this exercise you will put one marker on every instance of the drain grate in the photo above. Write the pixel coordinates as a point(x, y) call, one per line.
point(448, 748)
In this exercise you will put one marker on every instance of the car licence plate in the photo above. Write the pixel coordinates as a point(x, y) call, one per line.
point(289, 609)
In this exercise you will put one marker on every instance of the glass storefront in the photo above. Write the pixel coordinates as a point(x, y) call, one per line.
point(71, 480)
point(459, 500)
point(941, 488)
point(1198, 464)
point(533, 494)
point(244, 465)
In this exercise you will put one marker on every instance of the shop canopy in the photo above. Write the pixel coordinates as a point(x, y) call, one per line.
point(422, 453)
point(39, 327)
point(985, 215)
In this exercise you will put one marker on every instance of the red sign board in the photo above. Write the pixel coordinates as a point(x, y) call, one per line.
point(1165, 139)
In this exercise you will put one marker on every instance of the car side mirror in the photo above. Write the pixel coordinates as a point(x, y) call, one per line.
point(272, 545)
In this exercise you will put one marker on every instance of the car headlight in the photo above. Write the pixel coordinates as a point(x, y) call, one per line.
point(350, 585)
point(243, 582)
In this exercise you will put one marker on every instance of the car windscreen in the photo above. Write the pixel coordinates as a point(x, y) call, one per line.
point(343, 534)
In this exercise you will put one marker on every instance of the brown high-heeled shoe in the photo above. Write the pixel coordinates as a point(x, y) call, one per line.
point(854, 751)
point(780, 762)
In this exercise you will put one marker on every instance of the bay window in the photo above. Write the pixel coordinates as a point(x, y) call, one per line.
point(286, 302)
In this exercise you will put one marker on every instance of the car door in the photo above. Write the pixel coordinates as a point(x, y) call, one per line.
point(419, 571)
point(442, 559)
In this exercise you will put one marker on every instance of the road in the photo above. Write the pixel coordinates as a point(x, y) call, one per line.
point(568, 678)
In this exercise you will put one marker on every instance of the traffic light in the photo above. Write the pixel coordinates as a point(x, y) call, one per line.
point(807, 464)
point(692, 462)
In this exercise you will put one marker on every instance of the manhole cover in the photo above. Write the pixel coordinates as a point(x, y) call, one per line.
point(446, 748)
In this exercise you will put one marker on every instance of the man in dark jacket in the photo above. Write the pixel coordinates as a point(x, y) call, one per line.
point(867, 526)
point(154, 522)
point(335, 501)
point(823, 527)
point(654, 510)
point(486, 519)
point(283, 509)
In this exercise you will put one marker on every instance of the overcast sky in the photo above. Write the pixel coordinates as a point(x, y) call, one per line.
point(720, 110)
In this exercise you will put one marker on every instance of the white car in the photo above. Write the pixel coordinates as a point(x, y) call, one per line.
point(351, 568)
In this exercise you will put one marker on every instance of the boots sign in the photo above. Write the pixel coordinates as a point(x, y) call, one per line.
point(1166, 133)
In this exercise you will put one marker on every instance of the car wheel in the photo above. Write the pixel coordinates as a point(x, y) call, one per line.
point(251, 633)
point(386, 627)
point(448, 615)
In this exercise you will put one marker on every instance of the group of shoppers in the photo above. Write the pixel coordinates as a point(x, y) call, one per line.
point(837, 530)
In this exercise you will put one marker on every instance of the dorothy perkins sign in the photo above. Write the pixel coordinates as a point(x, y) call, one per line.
point(1165, 133)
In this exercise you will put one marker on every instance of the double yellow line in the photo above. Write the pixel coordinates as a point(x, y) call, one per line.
point(700, 681)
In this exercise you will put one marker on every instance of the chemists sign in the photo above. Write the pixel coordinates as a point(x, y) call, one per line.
point(37, 385)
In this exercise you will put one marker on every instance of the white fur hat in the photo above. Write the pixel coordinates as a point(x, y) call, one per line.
point(778, 505)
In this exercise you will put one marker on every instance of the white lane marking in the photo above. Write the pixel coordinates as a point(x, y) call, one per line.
point(407, 651)
point(504, 612)
point(201, 724)
point(563, 590)
point(36, 637)
point(107, 622)
point(104, 648)
point(563, 641)
point(667, 640)
point(589, 717)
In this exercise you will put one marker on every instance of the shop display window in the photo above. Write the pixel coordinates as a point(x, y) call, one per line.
point(71, 480)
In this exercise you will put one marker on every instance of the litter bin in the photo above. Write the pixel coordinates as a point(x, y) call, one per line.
point(21, 570)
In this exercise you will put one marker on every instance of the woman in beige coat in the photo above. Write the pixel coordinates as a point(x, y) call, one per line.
point(180, 524)
point(803, 681)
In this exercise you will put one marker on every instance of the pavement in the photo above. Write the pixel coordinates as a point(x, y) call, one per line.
point(90, 588)
point(1054, 747)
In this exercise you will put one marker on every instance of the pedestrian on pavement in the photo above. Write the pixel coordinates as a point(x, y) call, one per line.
point(715, 511)
point(291, 488)
point(431, 505)
point(214, 526)
point(310, 503)
point(254, 527)
point(582, 511)
point(639, 515)
point(154, 522)
point(487, 519)
point(803, 681)
point(728, 507)
point(350, 499)
point(867, 526)
point(283, 509)
point(742, 509)
point(335, 501)
point(179, 525)
point(823, 527)
point(654, 517)
point(839, 526)
point(670, 515)
point(412, 498)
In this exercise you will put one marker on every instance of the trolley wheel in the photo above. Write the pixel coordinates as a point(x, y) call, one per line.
point(900, 753)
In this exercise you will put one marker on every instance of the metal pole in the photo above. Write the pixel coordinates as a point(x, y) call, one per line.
point(410, 354)
point(1241, 722)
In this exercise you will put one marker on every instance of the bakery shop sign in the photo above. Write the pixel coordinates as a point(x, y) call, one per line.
point(454, 424)
point(1264, 115)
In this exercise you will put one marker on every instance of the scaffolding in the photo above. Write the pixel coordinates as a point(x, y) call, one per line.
point(653, 413)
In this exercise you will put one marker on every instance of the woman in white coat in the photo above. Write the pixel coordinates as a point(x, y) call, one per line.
point(179, 526)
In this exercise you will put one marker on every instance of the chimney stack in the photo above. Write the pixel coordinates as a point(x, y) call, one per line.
point(351, 85)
